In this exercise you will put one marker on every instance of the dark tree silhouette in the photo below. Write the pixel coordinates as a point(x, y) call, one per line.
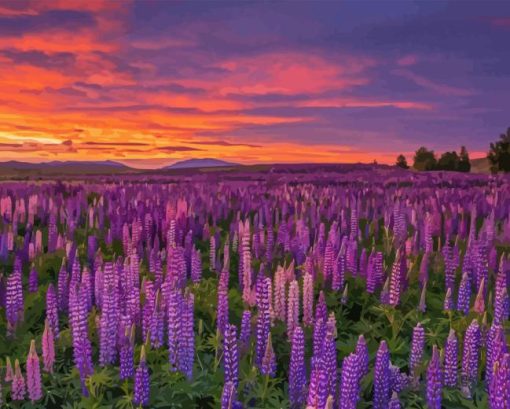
point(402, 162)
point(448, 161)
point(464, 162)
point(424, 159)
point(499, 154)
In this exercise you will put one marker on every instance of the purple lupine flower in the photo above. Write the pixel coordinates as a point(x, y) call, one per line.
point(279, 294)
point(33, 374)
point(186, 341)
point(63, 287)
point(470, 356)
point(479, 305)
point(321, 310)
point(398, 379)
point(14, 300)
point(362, 352)
point(196, 266)
point(244, 337)
point(292, 308)
point(175, 306)
point(349, 385)
point(308, 299)
point(263, 321)
point(499, 389)
point(222, 306)
point(18, 387)
point(501, 305)
point(48, 347)
point(496, 347)
point(451, 360)
point(82, 349)
point(109, 318)
point(395, 281)
point(417, 347)
point(268, 365)
point(33, 280)
point(448, 301)
point(328, 358)
point(434, 380)
point(394, 402)
point(157, 322)
point(142, 381)
point(52, 309)
point(382, 377)
point(231, 355)
point(464, 296)
point(297, 371)
point(127, 344)
point(228, 397)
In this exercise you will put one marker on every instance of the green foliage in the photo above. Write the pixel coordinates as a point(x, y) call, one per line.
point(499, 153)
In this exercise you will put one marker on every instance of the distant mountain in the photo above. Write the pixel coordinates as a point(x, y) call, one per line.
point(17, 168)
point(200, 163)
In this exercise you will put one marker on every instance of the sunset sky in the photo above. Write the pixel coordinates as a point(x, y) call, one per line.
point(149, 83)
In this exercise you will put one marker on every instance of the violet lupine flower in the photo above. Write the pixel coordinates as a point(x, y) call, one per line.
point(263, 321)
point(395, 281)
point(142, 382)
point(222, 306)
point(434, 380)
point(175, 303)
point(470, 356)
point(292, 308)
point(496, 347)
point(417, 347)
point(127, 346)
point(33, 374)
point(18, 387)
point(297, 370)
point(501, 305)
point(48, 347)
point(499, 389)
point(398, 379)
point(308, 299)
point(231, 355)
point(349, 385)
point(109, 318)
point(63, 287)
point(186, 341)
point(82, 349)
point(382, 377)
point(362, 352)
point(279, 294)
point(479, 305)
point(328, 359)
point(394, 402)
point(196, 266)
point(228, 397)
point(157, 323)
point(33, 280)
point(451, 352)
point(52, 309)
point(464, 296)
point(14, 307)
point(268, 365)
point(245, 336)
point(448, 301)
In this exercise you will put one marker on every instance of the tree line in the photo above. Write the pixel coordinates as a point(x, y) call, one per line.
point(425, 159)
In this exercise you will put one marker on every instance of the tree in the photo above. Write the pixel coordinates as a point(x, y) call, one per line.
point(402, 162)
point(424, 159)
point(499, 154)
point(464, 162)
point(448, 161)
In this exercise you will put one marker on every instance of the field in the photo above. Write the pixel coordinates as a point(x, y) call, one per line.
point(270, 287)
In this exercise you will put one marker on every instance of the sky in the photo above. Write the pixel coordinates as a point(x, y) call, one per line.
point(148, 83)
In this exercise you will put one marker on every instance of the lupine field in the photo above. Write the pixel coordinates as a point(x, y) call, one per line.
point(304, 289)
